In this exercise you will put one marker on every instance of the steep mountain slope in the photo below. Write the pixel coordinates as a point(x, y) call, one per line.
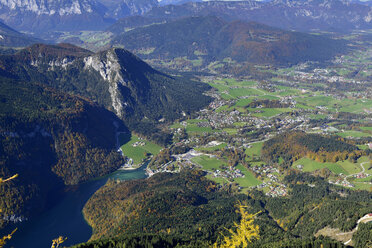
point(115, 78)
point(11, 38)
point(298, 15)
point(41, 16)
point(124, 8)
point(50, 139)
point(167, 2)
point(214, 39)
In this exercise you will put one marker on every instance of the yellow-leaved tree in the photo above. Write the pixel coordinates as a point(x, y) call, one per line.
point(9, 236)
point(56, 242)
point(245, 232)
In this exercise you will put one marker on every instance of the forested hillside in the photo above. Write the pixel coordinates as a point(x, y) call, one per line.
point(50, 139)
point(187, 208)
point(295, 145)
point(115, 79)
point(212, 38)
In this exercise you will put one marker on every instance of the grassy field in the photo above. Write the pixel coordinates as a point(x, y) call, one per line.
point(249, 180)
point(362, 186)
point(239, 92)
point(193, 128)
point(363, 147)
point(230, 130)
point(311, 165)
point(350, 167)
point(367, 179)
point(346, 167)
point(355, 134)
point(243, 102)
point(176, 125)
point(219, 180)
point(213, 148)
point(366, 128)
point(208, 163)
point(268, 112)
point(138, 153)
point(254, 150)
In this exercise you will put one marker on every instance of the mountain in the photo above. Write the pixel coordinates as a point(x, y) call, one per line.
point(62, 15)
point(124, 8)
point(300, 15)
point(115, 79)
point(176, 2)
point(212, 38)
point(369, 3)
point(60, 109)
point(11, 38)
point(51, 139)
point(41, 16)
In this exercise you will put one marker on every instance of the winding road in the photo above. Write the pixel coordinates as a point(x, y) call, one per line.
point(361, 172)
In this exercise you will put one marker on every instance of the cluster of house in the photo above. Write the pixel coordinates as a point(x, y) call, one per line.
point(265, 170)
point(320, 75)
point(231, 173)
point(361, 175)
point(342, 182)
point(277, 190)
point(218, 103)
point(169, 167)
point(138, 143)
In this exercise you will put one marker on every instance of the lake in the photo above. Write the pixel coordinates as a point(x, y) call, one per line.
point(66, 217)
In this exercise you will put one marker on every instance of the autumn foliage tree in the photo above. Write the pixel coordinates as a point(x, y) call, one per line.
point(245, 232)
point(9, 236)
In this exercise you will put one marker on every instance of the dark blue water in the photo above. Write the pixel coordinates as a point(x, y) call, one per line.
point(65, 218)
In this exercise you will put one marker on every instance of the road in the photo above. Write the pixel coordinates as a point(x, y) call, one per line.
point(363, 170)
point(366, 218)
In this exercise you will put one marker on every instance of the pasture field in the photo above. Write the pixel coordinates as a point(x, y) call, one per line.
point(254, 150)
point(240, 92)
point(208, 163)
point(212, 148)
point(355, 134)
point(138, 153)
point(345, 167)
point(248, 180)
point(219, 180)
point(268, 112)
point(369, 129)
point(193, 128)
point(310, 165)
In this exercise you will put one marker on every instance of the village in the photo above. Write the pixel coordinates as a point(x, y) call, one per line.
point(245, 113)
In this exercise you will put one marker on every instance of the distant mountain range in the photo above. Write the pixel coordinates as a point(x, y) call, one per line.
point(369, 2)
point(329, 15)
point(41, 16)
point(212, 38)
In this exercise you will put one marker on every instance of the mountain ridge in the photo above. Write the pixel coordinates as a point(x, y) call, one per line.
point(115, 79)
point(213, 38)
point(290, 15)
